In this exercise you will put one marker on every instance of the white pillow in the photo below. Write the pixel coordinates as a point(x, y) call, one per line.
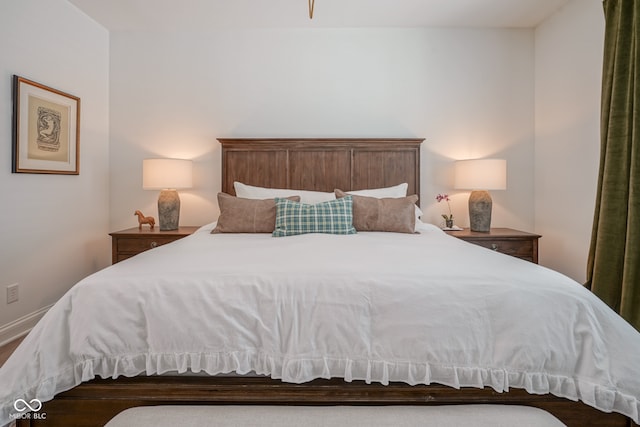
point(309, 197)
point(395, 192)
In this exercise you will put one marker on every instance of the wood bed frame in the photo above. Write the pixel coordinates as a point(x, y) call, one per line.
point(311, 164)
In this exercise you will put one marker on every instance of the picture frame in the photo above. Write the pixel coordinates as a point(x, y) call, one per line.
point(46, 129)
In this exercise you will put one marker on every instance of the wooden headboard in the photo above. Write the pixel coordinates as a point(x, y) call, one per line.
point(321, 164)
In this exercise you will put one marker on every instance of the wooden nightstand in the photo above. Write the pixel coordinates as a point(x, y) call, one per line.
point(505, 240)
point(132, 241)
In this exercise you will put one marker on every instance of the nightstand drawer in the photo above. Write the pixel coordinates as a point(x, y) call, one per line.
point(127, 243)
point(139, 245)
point(521, 248)
point(516, 243)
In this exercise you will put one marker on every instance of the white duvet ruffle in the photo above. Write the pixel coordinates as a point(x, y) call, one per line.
point(377, 307)
point(301, 371)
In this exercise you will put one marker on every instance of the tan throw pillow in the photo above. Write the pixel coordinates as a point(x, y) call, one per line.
point(388, 214)
point(239, 215)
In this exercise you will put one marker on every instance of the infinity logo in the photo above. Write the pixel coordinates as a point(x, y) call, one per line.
point(22, 405)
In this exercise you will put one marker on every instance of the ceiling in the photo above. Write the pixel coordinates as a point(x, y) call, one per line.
point(182, 15)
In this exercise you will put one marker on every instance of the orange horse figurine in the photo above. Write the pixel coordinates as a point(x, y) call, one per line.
point(144, 220)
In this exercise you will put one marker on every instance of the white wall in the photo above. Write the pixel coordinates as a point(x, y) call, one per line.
point(53, 228)
point(568, 74)
point(468, 92)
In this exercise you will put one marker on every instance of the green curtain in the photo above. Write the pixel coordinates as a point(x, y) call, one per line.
point(613, 271)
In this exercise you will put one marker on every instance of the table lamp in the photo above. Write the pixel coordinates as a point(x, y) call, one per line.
point(480, 175)
point(167, 175)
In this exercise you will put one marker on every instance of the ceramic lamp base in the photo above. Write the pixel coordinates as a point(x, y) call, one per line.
point(480, 205)
point(168, 210)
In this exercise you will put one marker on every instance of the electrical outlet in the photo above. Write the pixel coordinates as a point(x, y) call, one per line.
point(12, 293)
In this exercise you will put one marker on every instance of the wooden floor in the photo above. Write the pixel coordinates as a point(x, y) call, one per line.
point(6, 350)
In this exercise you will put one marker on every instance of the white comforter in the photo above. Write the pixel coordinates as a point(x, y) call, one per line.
point(379, 307)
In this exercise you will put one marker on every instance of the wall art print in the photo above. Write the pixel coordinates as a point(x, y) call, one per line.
point(46, 129)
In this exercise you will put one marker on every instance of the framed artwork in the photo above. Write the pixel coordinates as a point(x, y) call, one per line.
point(46, 129)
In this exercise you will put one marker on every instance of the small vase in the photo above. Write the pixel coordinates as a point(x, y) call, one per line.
point(448, 223)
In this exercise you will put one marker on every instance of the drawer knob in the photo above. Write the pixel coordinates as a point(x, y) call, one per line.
point(154, 244)
point(494, 246)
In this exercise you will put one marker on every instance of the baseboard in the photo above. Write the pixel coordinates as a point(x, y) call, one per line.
point(21, 327)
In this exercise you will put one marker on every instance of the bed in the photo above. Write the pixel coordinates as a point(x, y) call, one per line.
point(338, 328)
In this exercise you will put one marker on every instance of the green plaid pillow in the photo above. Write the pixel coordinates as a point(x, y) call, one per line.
point(332, 217)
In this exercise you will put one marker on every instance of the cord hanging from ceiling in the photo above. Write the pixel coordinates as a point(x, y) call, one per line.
point(312, 4)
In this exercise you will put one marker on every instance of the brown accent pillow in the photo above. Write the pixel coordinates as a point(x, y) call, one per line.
point(388, 214)
point(239, 215)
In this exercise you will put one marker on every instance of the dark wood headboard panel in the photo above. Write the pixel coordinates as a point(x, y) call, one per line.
point(321, 164)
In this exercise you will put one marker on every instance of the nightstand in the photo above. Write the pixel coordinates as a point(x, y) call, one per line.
point(516, 243)
point(132, 241)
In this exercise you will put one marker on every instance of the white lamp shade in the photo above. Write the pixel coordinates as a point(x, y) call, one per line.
point(481, 174)
point(158, 174)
